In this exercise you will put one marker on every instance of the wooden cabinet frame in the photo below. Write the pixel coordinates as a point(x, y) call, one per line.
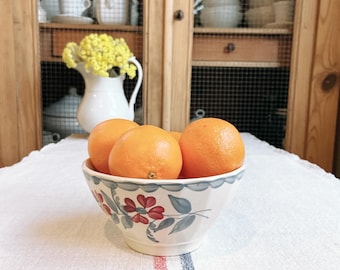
point(167, 63)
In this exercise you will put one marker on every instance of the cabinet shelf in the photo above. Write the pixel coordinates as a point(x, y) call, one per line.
point(94, 27)
point(240, 31)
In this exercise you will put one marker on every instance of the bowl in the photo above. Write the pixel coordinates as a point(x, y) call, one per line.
point(162, 217)
point(61, 116)
point(64, 126)
point(259, 17)
point(112, 12)
point(221, 16)
point(213, 3)
point(283, 11)
point(259, 3)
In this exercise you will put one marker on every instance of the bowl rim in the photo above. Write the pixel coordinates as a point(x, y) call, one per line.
point(214, 3)
point(233, 9)
point(86, 167)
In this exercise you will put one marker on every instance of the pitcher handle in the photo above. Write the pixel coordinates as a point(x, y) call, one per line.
point(137, 86)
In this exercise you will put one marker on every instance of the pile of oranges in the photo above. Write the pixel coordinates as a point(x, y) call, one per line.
point(206, 147)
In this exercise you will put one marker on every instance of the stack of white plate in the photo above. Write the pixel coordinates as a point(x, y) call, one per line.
point(260, 13)
point(221, 13)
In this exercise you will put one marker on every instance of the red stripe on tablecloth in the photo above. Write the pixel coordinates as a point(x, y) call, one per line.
point(159, 263)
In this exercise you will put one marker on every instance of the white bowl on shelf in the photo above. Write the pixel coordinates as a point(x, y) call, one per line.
point(221, 16)
point(112, 12)
point(51, 7)
point(260, 3)
point(259, 17)
point(61, 116)
point(64, 126)
point(214, 3)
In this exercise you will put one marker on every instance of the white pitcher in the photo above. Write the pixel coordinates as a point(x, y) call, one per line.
point(104, 98)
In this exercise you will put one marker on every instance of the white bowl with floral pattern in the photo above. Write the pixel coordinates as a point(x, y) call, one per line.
point(162, 217)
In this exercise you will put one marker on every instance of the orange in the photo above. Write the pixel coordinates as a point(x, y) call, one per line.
point(176, 134)
point(147, 152)
point(101, 139)
point(210, 146)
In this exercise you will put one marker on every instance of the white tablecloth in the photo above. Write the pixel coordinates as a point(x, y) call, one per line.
point(286, 215)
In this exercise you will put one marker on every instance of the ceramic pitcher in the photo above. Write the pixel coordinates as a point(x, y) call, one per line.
point(104, 98)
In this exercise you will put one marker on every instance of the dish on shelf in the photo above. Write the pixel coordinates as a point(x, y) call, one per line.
point(61, 117)
point(221, 16)
point(279, 25)
point(112, 12)
point(215, 3)
point(259, 3)
point(65, 18)
point(260, 16)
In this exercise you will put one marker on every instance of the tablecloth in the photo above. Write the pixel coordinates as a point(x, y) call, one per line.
point(286, 215)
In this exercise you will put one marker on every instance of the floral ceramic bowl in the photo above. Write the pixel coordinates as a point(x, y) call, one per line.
point(162, 217)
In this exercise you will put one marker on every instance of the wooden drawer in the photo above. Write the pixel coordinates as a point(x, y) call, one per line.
point(241, 50)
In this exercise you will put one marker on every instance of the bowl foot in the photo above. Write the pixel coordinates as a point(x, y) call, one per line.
point(162, 249)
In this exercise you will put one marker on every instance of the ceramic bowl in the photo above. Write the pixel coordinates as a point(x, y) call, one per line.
point(221, 16)
point(112, 12)
point(64, 126)
point(213, 3)
point(259, 17)
point(259, 3)
point(61, 116)
point(284, 11)
point(162, 217)
point(51, 7)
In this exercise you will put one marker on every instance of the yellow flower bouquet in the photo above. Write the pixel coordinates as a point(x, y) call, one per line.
point(101, 54)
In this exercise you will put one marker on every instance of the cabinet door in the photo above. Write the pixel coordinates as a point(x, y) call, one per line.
point(20, 123)
point(168, 32)
point(314, 87)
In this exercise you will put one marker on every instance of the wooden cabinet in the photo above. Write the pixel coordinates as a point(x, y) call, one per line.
point(167, 89)
point(172, 46)
point(314, 82)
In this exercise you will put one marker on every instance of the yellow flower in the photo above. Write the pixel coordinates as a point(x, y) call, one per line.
point(100, 53)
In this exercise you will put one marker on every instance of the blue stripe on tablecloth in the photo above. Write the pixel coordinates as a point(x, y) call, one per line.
point(186, 262)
